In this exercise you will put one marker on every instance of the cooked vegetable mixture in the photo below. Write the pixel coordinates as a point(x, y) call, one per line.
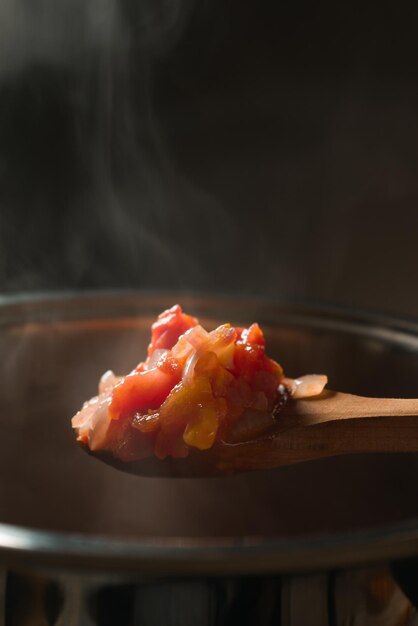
point(194, 388)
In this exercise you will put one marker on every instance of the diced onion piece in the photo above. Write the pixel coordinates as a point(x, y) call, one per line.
point(221, 341)
point(192, 339)
point(189, 367)
point(92, 422)
point(182, 349)
point(154, 358)
point(196, 336)
point(306, 386)
point(207, 363)
point(226, 355)
point(81, 420)
point(99, 427)
point(108, 381)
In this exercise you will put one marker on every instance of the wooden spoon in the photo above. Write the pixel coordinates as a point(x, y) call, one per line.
point(330, 424)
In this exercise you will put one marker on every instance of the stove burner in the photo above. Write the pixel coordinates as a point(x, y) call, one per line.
point(363, 596)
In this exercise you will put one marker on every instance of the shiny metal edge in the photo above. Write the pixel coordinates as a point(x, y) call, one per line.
point(293, 311)
point(33, 548)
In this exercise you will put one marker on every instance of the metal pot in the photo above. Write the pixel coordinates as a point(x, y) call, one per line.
point(71, 523)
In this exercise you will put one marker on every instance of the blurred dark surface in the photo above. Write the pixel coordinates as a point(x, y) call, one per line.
point(263, 147)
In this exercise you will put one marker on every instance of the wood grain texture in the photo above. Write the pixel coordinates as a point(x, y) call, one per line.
point(328, 425)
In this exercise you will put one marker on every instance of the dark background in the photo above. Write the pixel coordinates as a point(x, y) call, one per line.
point(266, 147)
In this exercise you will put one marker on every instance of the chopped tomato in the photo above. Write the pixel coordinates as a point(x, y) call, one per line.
point(141, 391)
point(170, 325)
point(253, 335)
point(248, 359)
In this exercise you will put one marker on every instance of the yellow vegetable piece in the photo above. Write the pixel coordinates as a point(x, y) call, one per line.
point(201, 432)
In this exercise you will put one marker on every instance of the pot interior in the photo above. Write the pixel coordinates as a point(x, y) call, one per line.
point(53, 353)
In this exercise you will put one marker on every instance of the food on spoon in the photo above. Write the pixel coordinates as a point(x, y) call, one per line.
point(195, 388)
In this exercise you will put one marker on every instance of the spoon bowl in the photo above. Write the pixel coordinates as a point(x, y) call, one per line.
point(199, 464)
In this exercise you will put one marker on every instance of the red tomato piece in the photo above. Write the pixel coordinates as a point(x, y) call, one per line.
point(169, 326)
point(248, 359)
point(253, 335)
point(141, 391)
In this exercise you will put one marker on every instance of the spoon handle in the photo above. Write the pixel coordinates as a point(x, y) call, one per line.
point(330, 425)
point(331, 405)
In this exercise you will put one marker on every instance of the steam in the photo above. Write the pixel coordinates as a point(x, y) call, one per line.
point(63, 32)
point(58, 33)
point(104, 202)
